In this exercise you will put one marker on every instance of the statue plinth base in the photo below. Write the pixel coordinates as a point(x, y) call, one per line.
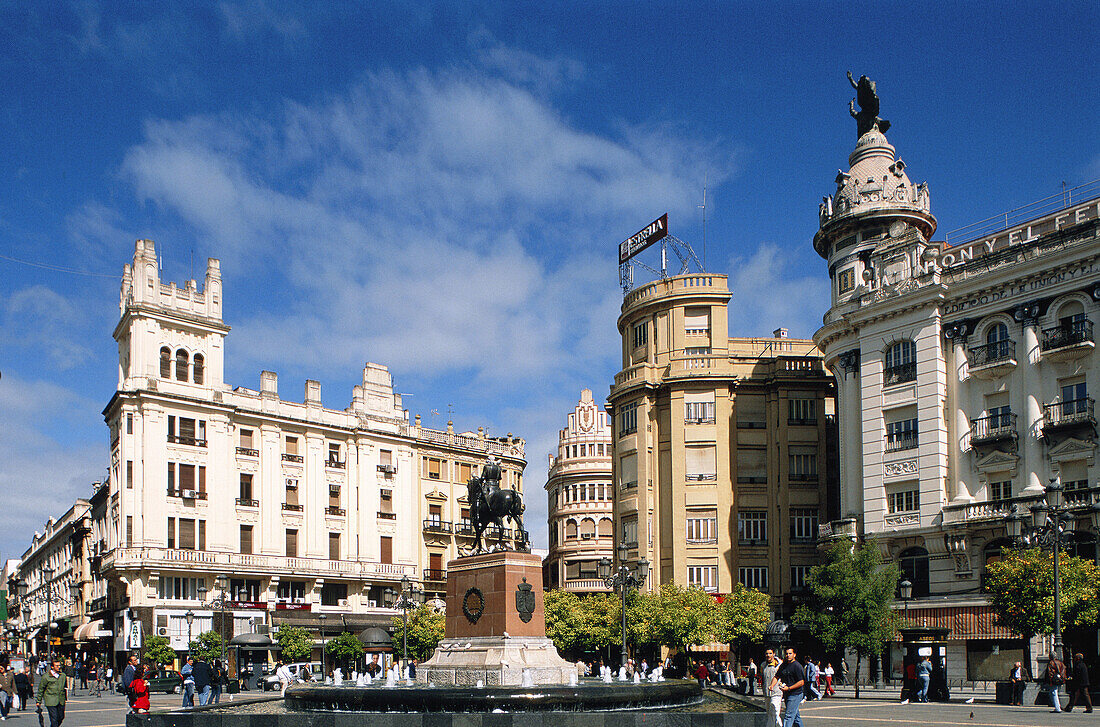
point(495, 629)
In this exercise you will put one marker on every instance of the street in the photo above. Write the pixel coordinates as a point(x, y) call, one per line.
point(109, 710)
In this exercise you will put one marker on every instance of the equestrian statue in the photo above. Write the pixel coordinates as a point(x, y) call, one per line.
point(490, 504)
point(866, 95)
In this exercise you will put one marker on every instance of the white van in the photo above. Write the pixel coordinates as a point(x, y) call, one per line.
point(300, 671)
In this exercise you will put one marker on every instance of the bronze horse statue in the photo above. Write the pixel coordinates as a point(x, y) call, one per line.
point(490, 504)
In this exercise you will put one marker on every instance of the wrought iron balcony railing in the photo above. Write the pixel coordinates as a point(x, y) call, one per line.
point(435, 574)
point(248, 452)
point(898, 443)
point(292, 458)
point(900, 374)
point(992, 353)
point(993, 428)
point(1067, 334)
point(1069, 413)
point(432, 525)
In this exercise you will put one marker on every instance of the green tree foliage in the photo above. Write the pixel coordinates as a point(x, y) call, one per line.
point(158, 650)
point(677, 617)
point(850, 596)
point(744, 614)
point(345, 648)
point(590, 623)
point(208, 646)
point(426, 628)
point(295, 643)
point(1021, 591)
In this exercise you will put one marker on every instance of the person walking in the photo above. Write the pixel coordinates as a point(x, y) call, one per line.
point(829, 674)
point(810, 671)
point(924, 678)
point(51, 691)
point(24, 686)
point(1055, 678)
point(128, 676)
point(845, 672)
point(1017, 676)
point(203, 681)
point(771, 687)
point(82, 669)
point(701, 674)
point(7, 689)
point(217, 672)
point(188, 682)
point(139, 687)
point(1079, 684)
point(791, 679)
point(752, 677)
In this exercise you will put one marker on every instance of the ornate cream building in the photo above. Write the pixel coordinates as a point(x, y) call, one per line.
point(965, 375)
point(721, 446)
point(579, 496)
point(303, 510)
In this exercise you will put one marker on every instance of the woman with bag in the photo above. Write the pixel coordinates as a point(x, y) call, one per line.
point(1055, 678)
point(139, 689)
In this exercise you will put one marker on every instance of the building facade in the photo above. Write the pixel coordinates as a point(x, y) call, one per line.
point(579, 500)
point(965, 376)
point(721, 446)
point(293, 511)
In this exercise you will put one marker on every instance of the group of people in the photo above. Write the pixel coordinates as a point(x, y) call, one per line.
point(202, 679)
point(15, 687)
point(1056, 674)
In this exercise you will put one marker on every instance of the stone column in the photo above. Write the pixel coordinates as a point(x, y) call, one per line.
point(956, 376)
point(1033, 411)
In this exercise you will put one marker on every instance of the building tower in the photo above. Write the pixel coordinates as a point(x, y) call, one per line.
point(579, 494)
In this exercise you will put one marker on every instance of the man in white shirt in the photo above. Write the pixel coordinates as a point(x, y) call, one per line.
point(283, 675)
point(771, 687)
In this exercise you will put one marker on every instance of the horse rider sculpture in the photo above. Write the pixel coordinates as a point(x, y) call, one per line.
point(490, 504)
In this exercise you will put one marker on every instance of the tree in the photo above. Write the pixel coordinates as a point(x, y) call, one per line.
point(345, 647)
point(295, 643)
point(426, 628)
point(743, 616)
point(158, 650)
point(1021, 592)
point(208, 646)
point(680, 617)
point(562, 610)
point(850, 596)
point(590, 623)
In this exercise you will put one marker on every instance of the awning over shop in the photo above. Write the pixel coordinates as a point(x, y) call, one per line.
point(964, 622)
point(91, 630)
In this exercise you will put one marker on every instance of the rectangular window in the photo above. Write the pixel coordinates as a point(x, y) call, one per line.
point(803, 464)
point(752, 526)
point(628, 470)
point(246, 439)
point(334, 546)
point(291, 590)
point(171, 533)
point(703, 576)
point(246, 539)
point(751, 413)
point(387, 549)
point(291, 543)
point(1001, 490)
point(129, 530)
point(697, 321)
point(802, 411)
point(334, 594)
point(129, 423)
point(178, 589)
point(292, 446)
point(901, 435)
point(386, 501)
point(129, 474)
point(630, 531)
point(846, 280)
point(752, 466)
point(187, 534)
point(463, 472)
point(435, 513)
point(803, 524)
point(702, 526)
point(202, 478)
point(701, 463)
point(172, 489)
point(905, 501)
point(753, 577)
point(292, 492)
point(433, 467)
point(202, 534)
point(334, 453)
point(800, 577)
point(699, 408)
point(244, 589)
point(641, 334)
point(334, 496)
point(187, 476)
point(246, 490)
point(628, 418)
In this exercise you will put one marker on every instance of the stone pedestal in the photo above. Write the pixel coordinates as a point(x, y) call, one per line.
point(496, 628)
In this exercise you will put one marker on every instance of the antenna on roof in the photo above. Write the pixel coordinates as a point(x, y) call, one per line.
point(704, 208)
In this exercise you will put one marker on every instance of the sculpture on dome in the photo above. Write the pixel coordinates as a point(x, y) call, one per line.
point(867, 117)
point(490, 504)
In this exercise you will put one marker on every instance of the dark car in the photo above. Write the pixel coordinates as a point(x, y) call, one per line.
point(168, 681)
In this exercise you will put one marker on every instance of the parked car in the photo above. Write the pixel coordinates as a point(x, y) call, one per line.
point(306, 671)
point(168, 681)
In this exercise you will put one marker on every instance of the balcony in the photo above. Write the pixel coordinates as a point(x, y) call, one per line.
point(436, 575)
point(902, 442)
point(701, 477)
point(804, 477)
point(699, 420)
point(208, 561)
point(585, 585)
point(995, 428)
point(247, 502)
point(992, 360)
point(337, 511)
point(387, 515)
point(186, 494)
point(1067, 341)
point(1072, 413)
point(463, 527)
point(189, 441)
point(292, 507)
point(795, 422)
point(335, 464)
point(292, 458)
point(387, 469)
point(900, 374)
point(433, 525)
point(247, 452)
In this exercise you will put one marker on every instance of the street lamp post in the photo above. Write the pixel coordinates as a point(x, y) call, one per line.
point(190, 618)
point(906, 589)
point(321, 617)
point(220, 604)
point(47, 576)
point(409, 597)
point(623, 579)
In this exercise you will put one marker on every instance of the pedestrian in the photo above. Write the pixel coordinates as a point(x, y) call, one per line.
point(844, 672)
point(1079, 684)
point(701, 674)
point(810, 675)
point(189, 682)
point(24, 685)
point(128, 676)
point(139, 687)
point(203, 681)
point(829, 674)
point(1055, 678)
point(217, 676)
point(51, 690)
point(7, 690)
point(791, 679)
point(412, 669)
point(924, 678)
point(771, 687)
point(82, 669)
point(1017, 676)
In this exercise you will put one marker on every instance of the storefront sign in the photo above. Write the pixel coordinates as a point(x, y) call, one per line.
point(257, 605)
point(293, 606)
point(642, 239)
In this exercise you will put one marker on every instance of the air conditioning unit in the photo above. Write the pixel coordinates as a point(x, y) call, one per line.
point(342, 602)
point(334, 489)
point(586, 536)
point(291, 483)
point(187, 494)
point(162, 630)
point(389, 469)
point(372, 604)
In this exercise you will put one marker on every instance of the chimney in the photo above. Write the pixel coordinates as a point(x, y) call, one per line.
point(269, 385)
point(313, 392)
point(780, 333)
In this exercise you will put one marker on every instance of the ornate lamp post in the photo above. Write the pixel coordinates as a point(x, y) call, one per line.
point(408, 598)
point(46, 596)
point(623, 579)
point(906, 590)
point(220, 604)
point(321, 629)
point(190, 618)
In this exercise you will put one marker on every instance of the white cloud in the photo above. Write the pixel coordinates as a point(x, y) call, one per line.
point(541, 74)
point(766, 296)
point(45, 324)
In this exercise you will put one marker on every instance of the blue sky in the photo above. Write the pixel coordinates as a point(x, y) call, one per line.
point(441, 187)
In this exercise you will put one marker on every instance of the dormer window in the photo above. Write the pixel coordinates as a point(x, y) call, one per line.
point(181, 365)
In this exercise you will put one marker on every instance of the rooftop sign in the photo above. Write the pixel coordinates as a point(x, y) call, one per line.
point(642, 239)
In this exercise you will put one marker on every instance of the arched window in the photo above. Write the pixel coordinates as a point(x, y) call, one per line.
point(588, 528)
point(607, 528)
point(197, 370)
point(997, 332)
point(914, 567)
point(181, 365)
point(901, 363)
point(999, 346)
point(166, 363)
point(570, 529)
